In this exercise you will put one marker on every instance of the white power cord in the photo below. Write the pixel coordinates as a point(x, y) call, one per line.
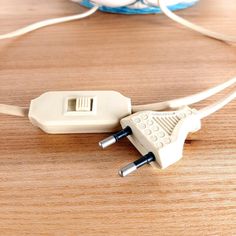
point(86, 97)
point(204, 112)
point(194, 27)
point(19, 111)
point(185, 101)
point(160, 136)
point(161, 3)
point(49, 22)
point(13, 110)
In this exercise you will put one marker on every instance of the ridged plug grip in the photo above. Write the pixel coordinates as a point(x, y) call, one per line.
point(162, 133)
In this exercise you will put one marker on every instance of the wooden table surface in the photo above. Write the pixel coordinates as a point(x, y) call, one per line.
point(66, 185)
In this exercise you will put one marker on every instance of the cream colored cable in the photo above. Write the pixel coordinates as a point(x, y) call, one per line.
point(185, 101)
point(194, 27)
point(172, 104)
point(216, 106)
point(20, 111)
point(45, 23)
point(13, 110)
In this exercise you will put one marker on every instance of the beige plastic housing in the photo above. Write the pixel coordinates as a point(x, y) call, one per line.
point(79, 111)
point(162, 133)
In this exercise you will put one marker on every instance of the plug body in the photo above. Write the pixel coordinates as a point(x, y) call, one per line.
point(162, 133)
point(79, 111)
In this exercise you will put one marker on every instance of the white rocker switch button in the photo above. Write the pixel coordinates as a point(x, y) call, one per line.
point(84, 104)
point(80, 104)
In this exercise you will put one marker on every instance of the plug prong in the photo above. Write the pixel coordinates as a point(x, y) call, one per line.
point(107, 142)
point(115, 137)
point(128, 169)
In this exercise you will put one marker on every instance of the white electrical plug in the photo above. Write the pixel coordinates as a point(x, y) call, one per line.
point(162, 133)
point(158, 136)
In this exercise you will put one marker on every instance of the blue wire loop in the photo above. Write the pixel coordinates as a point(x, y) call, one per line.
point(146, 10)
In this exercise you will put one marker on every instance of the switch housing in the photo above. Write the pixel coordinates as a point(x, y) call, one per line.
point(79, 111)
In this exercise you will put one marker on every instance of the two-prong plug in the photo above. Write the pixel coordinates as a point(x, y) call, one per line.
point(148, 158)
point(158, 136)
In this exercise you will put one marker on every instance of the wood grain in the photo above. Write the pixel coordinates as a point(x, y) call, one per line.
point(65, 185)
